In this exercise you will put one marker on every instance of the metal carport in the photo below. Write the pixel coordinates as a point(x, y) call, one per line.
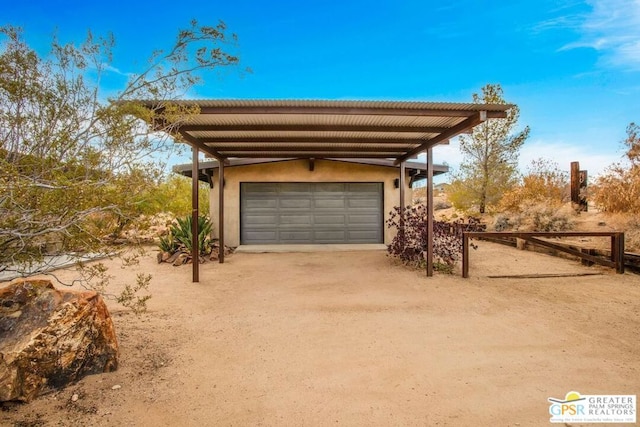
point(315, 129)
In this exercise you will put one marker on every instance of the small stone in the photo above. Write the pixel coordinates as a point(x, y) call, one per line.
point(116, 387)
point(173, 257)
point(75, 397)
point(181, 259)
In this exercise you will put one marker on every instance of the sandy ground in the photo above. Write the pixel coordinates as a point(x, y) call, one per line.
point(306, 339)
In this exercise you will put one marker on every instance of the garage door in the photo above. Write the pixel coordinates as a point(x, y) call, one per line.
point(289, 213)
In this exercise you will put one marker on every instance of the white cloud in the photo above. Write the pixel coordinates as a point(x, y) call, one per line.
point(612, 27)
point(445, 154)
point(595, 163)
point(111, 68)
point(563, 153)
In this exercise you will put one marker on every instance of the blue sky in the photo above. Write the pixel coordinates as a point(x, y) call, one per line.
point(573, 67)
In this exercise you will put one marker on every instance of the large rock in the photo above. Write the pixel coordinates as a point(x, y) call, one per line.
point(50, 337)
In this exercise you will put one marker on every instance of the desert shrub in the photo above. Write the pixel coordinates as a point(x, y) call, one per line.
point(618, 189)
point(461, 197)
point(543, 217)
point(441, 204)
point(543, 183)
point(632, 238)
point(539, 202)
point(168, 243)
point(630, 225)
point(540, 217)
point(546, 218)
point(505, 222)
point(180, 238)
point(410, 243)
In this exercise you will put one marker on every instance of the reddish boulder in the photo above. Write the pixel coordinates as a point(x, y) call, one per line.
point(50, 337)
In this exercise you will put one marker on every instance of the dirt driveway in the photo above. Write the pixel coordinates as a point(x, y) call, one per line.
point(352, 338)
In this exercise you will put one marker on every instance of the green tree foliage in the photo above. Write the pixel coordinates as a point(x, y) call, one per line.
point(489, 167)
point(75, 164)
point(618, 189)
point(174, 195)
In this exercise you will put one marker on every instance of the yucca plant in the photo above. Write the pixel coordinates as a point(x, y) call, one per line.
point(168, 243)
point(181, 233)
point(179, 237)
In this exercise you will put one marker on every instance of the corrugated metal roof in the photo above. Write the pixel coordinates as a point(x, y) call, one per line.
point(250, 128)
point(323, 103)
point(317, 119)
point(269, 134)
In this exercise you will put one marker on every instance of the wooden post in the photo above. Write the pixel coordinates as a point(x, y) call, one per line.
point(575, 185)
point(584, 204)
point(401, 185)
point(195, 250)
point(617, 252)
point(465, 255)
point(588, 251)
point(221, 209)
point(430, 212)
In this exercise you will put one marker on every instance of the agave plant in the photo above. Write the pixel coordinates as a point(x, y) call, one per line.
point(180, 236)
point(168, 243)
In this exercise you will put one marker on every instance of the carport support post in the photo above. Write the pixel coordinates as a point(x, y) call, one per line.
point(221, 210)
point(195, 250)
point(402, 201)
point(430, 212)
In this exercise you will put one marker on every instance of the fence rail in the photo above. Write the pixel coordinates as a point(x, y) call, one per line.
point(616, 260)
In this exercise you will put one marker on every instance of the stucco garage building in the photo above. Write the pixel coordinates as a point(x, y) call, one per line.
point(312, 132)
point(304, 201)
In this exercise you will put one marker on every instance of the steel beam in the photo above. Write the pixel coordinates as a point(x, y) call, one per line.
point(429, 212)
point(195, 250)
point(461, 127)
point(221, 212)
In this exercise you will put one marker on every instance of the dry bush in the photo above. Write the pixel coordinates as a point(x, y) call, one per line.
point(618, 190)
point(539, 217)
point(630, 224)
point(506, 222)
point(441, 204)
point(544, 183)
point(539, 203)
point(632, 239)
point(544, 217)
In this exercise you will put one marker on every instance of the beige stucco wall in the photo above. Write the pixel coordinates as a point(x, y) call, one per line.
point(298, 171)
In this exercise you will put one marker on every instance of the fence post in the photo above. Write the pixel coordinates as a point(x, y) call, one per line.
point(465, 255)
point(617, 251)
